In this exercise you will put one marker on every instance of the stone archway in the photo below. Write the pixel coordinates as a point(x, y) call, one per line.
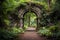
point(30, 7)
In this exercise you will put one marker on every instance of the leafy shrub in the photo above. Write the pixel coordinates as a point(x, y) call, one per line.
point(17, 30)
point(44, 31)
point(51, 31)
point(57, 30)
point(53, 28)
point(9, 34)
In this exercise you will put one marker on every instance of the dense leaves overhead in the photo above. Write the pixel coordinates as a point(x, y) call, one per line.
point(8, 7)
point(9, 16)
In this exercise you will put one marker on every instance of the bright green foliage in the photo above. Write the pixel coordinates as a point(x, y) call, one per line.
point(32, 19)
point(45, 32)
point(51, 31)
point(7, 21)
point(8, 7)
point(10, 34)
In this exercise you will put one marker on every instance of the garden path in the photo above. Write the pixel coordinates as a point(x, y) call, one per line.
point(30, 35)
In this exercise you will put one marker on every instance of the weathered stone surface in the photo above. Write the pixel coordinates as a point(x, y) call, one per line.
point(33, 8)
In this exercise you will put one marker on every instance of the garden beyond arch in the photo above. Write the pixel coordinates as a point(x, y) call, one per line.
point(36, 8)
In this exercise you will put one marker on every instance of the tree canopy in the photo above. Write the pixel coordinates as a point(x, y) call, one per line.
point(8, 7)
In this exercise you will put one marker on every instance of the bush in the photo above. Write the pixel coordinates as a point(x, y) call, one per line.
point(9, 34)
point(44, 31)
point(57, 30)
point(51, 31)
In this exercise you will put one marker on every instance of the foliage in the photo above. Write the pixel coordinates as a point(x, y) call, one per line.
point(51, 31)
point(45, 32)
point(9, 13)
point(32, 19)
point(10, 33)
point(8, 7)
point(57, 5)
point(57, 30)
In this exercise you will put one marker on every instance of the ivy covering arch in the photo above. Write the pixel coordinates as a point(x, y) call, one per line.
point(36, 8)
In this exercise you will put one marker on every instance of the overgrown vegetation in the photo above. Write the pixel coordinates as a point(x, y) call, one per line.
point(30, 20)
point(9, 18)
point(10, 33)
point(51, 32)
point(51, 23)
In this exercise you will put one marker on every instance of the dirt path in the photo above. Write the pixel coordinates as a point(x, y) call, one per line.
point(30, 35)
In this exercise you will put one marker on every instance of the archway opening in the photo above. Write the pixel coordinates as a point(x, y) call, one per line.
point(30, 21)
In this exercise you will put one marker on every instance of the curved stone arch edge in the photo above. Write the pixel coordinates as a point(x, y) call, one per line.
point(38, 12)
